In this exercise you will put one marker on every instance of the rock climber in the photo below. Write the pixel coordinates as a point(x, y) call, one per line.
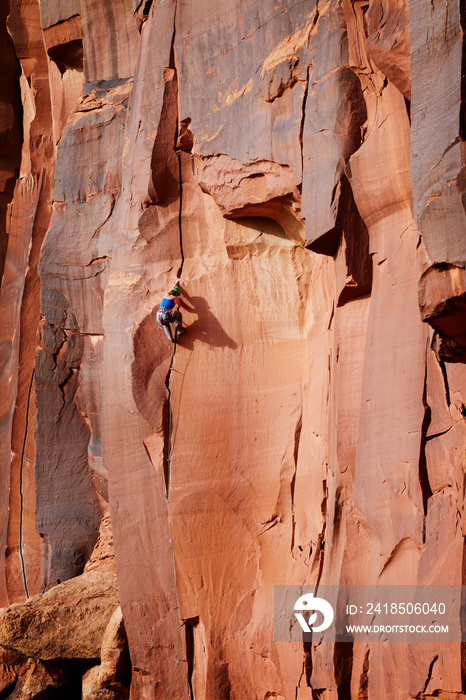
point(169, 312)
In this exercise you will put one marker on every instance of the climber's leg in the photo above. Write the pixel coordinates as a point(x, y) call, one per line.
point(178, 321)
point(164, 318)
point(168, 331)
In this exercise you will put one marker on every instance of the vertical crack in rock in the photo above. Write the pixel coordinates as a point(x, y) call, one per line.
point(306, 671)
point(429, 673)
point(141, 12)
point(168, 418)
point(99, 229)
point(180, 270)
point(299, 682)
point(351, 225)
point(445, 381)
point(315, 18)
point(338, 517)
point(21, 495)
point(320, 547)
point(303, 119)
point(423, 474)
point(363, 693)
point(189, 630)
point(343, 665)
point(308, 664)
point(297, 439)
point(408, 109)
point(146, 8)
point(168, 414)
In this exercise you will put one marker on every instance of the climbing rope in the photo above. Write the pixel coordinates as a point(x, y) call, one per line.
point(21, 490)
point(169, 427)
point(180, 213)
point(169, 430)
point(169, 440)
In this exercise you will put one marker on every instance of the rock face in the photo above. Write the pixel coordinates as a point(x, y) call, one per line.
point(26, 678)
point(50, 625)
point(53, 641)
point(301, 167)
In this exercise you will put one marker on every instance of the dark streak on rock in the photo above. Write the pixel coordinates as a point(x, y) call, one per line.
point(297, 438)
point(343, 667)
point(429, 673)
point(299, 682)
point(189, 630)
point(303, 117)
point(363, 693)
point(21, 513)
point(423, 474)
point(445, 382)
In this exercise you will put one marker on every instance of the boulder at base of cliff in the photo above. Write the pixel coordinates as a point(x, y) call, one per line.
point(112, 677)
point(22, 678)
point(66, 622)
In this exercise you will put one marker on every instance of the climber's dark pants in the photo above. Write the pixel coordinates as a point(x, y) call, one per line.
point(167, 316)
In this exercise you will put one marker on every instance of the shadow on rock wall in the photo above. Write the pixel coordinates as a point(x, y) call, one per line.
point(153, 353)
point(206, 328)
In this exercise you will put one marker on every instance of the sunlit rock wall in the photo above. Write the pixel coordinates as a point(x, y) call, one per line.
point(299, 165)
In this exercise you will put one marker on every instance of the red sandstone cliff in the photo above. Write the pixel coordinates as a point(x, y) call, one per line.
point(302, 165)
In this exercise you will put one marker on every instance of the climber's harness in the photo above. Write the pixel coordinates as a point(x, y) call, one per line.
point(166, 316)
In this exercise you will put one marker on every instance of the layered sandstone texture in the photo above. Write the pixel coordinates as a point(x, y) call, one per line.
point(300, 164)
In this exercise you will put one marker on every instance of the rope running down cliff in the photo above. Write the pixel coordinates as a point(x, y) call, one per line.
point(170, 370)
point(169, 438)
point(21, 494)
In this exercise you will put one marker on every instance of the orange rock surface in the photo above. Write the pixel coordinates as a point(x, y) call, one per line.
point(301, 167)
